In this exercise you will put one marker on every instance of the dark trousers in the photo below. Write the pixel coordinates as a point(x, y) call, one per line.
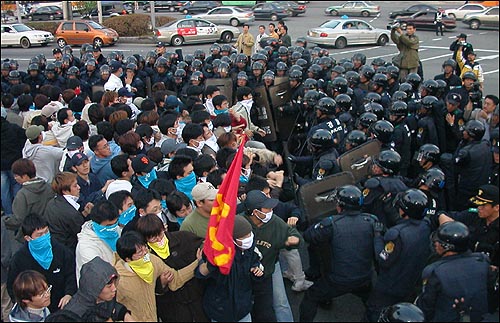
point(324, 290)
point(439, 28)
point(262, 310)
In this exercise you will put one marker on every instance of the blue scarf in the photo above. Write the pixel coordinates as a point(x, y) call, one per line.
point(217, 112)
point(146, 180)
point(244, 179)
point(107, 233)
point(180, 220)
point(127, 215)
point(163, 204)
point(186, 184)
point(41, 249)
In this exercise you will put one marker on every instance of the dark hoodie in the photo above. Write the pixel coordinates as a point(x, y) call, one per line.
point(13, 139)
point(95, 274)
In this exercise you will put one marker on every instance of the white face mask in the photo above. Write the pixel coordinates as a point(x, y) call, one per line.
point(151, 141)
point(228, 129)
point(267, 217)
point(248, 103)
point(246, 243)
point(129, 101)
point(210, 126)
point(201, 144)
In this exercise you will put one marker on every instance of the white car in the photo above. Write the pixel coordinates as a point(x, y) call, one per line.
point(24, 36)
point(461, 11)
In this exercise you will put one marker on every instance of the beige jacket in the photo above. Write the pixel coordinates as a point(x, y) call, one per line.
point(245, 43)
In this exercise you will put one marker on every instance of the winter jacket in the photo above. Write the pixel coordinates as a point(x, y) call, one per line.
point(408, 48)
point(242, 110)
point(31, 198)
point(12, 139)
point(102, 168)
point(18, 314)
point(245, 43)
point(65, 222)
point(45, 158)
point(62, 133)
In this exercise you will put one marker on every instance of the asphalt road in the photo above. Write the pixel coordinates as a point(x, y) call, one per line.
point(433, 51)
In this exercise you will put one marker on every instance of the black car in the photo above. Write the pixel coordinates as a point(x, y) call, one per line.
point(46, 13)
point(165, 6)
point(198, 6)
point(412, 10)
point(269, 11)
point(293, 7)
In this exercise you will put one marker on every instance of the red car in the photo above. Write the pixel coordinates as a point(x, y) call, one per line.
point(424, 20)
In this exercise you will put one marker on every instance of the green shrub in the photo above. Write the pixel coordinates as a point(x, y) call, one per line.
point(135, 25)
point(49, 26)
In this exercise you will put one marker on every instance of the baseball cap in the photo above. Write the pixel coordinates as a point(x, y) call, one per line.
point(125, 92)
point(160, 44)
point(138, 101)
point(486, 194)
point(168, 146)
point(78, 159)
point(74, 142)
point(462, 35)
point(171, 102)
point(49, 109)
point(56, 50)
point(115, 65)
point(142, 164)
point(257, 199)
point(453, 98)
point(204, 191)
point(34, 131)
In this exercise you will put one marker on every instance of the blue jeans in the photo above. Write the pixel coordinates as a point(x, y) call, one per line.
point(280, 299)
point(9, 190)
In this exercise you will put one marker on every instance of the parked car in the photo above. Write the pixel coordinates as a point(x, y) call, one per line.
point(412, 10)
point(467, 8)
point(293, 7)
point(198, 6)
point(354, 8)
point(77, 32)
point(343, 32)
point(46, 13)
point(110, 10)
point(486, 18)
point(424, 20)
point(165, 6)
point(24, 36)
point(194, 30)
point(269, 11)
point(233, 16)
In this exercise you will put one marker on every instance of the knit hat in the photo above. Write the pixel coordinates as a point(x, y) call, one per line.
point(241, 227)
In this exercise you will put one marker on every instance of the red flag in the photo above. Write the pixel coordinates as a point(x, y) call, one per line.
point(219, 246)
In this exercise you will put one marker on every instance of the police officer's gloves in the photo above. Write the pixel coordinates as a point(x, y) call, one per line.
point(379, 228)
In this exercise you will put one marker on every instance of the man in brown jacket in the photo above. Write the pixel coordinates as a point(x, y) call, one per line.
point(408, 49)
point(245, 42)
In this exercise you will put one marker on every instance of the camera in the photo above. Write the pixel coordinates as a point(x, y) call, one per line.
point(396, 25)
point(463, 43)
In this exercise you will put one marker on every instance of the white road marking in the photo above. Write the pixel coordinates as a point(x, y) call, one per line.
point(490, 72)
point(437, 39)
point(434, 57)
point(487, 57)
point(483, 33)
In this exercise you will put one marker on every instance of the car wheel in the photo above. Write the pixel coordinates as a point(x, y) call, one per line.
point(172, 9)
point(334, 12)
point(51, 17)
point(177, 41)
point(474, 24)
point(452, 16)
point(148, 9)
point(30, 18)
point(234, 22)
point(226, 37)
point(382, 40)
point(274, 17)
point(365, 13)
point(25, 42)
point(61, 42)
point(98, 42)
point(340, 43)
point(185, 11)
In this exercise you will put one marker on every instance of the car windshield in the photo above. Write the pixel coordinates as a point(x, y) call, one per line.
point(330, 24)
point(95, 25)
point(21, 28)
point(168, 24)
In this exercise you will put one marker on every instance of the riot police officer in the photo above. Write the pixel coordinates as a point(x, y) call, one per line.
point(325, 117)
point(398, 112)
point(427, 131)
point(383, 131)
point(432, 183)
point(401, 254)
point(443, 283)
point(454, 122)
point(351, 235)
point(379, 84)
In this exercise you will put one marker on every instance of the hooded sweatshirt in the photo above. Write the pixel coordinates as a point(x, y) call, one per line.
point(102, 168)
point(46, 159)
point(62, 132)
point(31, 198)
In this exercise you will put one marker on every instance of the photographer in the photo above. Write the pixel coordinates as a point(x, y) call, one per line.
point(470, 65)
point(466, 49)
point(408, 45)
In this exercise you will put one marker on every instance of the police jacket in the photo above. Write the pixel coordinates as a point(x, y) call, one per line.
point(325, 164)
point(427, 132)
point(35, 83)
point(443, 283)
point(351, 236)
point(453, 131)
point(402, 142)
point(402, 254)
point(378, 192)
point(451, 82)
point(473, 164)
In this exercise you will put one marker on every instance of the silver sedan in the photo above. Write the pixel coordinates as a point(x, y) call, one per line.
point(343, 32)
point(194, 30)
point(227, 16)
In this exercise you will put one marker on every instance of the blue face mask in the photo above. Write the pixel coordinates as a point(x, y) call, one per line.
point(146, 180)
point(107, 233)
point(180, 220)
point(41, 249)
point(244, 179)
point(163, 204)
point(217, 112)
point(186, 184)
point(127, 215)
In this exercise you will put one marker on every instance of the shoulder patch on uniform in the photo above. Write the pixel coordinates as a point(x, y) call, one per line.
point(460, 122)
point(321, 172)
point(389, 247)
point(420, 130)
point(366, 191)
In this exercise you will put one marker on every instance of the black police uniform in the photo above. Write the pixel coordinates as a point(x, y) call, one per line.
point(91, 78)
point(453, 277)
point(333, 125)
point(402, 144)
point(427, 131)
point(163, 77)
point(464, 93)
point(351, 235)
point(454, 132)
point(401, 254)
point(35, 83)
point(451, 82)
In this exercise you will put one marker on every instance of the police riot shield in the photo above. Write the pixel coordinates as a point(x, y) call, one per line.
point(280, 79)
point(316, 198)
point(358, 160)
point(265, 116)
point(280, 96)
point(225, 86)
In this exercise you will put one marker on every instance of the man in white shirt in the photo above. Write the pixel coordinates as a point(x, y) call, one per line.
point(262, 34)
point(114, 82)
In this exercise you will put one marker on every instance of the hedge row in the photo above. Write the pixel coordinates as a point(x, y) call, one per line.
point(126, 26)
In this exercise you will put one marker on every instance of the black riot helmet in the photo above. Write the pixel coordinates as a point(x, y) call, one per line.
point(327, 105)
point(180, 73)
point(375, 108)
point(340, 70)
point(413, 202)
point(392, 72)
point(452, 236)
point(372, 97)
point(380, 80)
point(402, 312)
point(356, 138)
point(301, 62)
point(281, 66)
point(382, 130)
point(400, 96)
point(367, 71)
point(295, 56)
point(441, 88)
point(14, 75)
point(257, 66)
point(326, 61)
point(450, 62)
point(433, 178)
point(407, 88)
point(379, 61)
point(310, 84)
point(430, 86)
point(340, 84)
point(311, 97)
point(282, 51)
point(469, 75)
point(352, 78)
point(321, 139)
point(73, 70)
point(360, 57)
point(241, 58)
point(366, 119)
point(389, 161)
point(344, 102)
point(199, 54)
point(348, 66)
point(349, 197)
point(414, 79)
point(295, 75)
point(430, 103)
point(315, 69)
point(475, 129)
point(33, 67)
point(398, 109)
point(429, 152)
